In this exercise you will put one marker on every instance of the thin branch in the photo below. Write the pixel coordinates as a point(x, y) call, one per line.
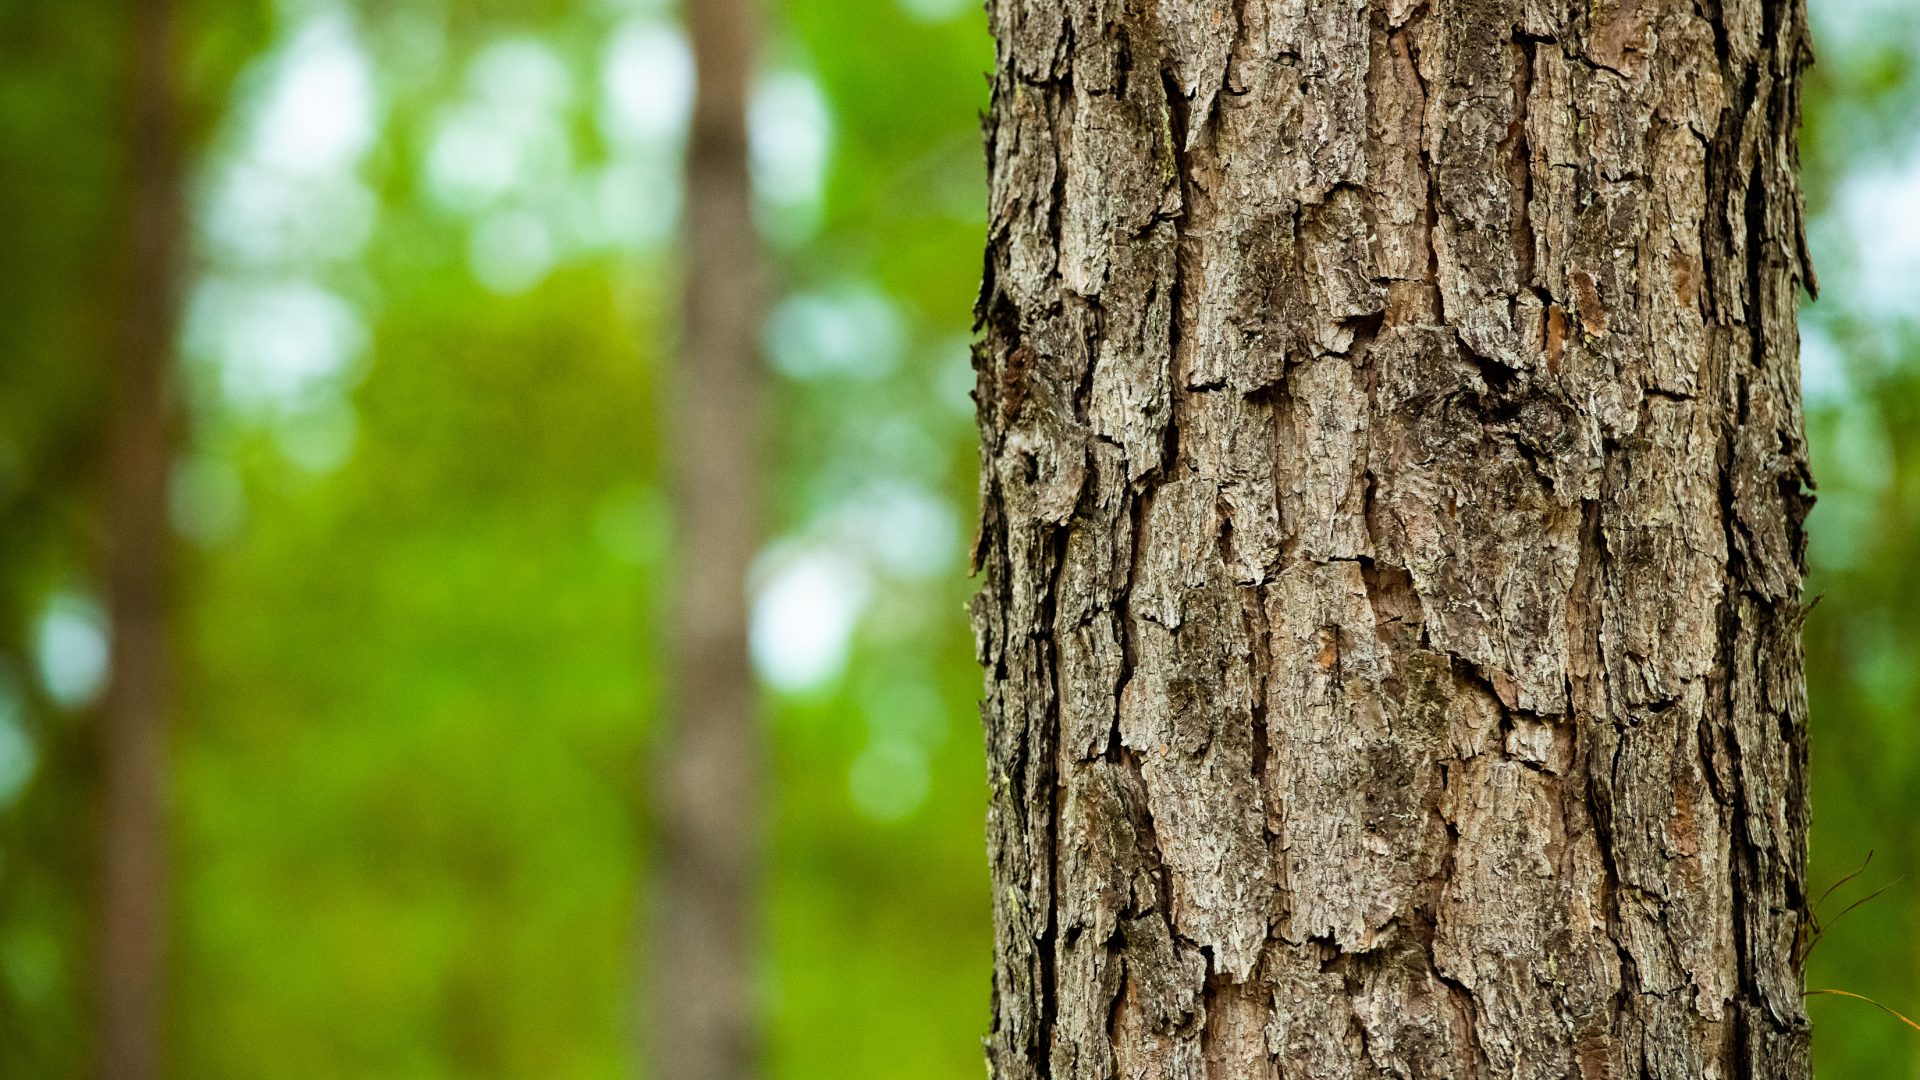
point(1896, 1014)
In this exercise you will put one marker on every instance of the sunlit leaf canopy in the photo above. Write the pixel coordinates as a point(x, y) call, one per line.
point(424, 544)
point(1860, 371)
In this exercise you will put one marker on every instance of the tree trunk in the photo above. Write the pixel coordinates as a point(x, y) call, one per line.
point(703, 981)
point(133, 821)
point(1393, 484)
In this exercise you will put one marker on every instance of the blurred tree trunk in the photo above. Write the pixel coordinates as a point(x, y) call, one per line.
point(1393, 487)
point(133, 822)
point(702, 983)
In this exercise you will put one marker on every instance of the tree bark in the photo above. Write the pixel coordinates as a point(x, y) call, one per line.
point(1393, 480)
point(133, 816)
point(709, 809)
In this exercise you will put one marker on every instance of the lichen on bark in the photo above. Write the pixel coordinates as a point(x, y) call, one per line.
point(1392, 487)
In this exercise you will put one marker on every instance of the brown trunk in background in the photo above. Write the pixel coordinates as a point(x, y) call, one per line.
point(702, 983)
point(133, 821)
point(1393, 487)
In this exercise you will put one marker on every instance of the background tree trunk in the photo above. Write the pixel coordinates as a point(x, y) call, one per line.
point(133, 821)
point(1393, 484)
point(703, 986)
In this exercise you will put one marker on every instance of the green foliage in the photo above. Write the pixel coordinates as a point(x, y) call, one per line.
point(422, 618)
point(1862, 367)
point(420, 684)
point(64, 177)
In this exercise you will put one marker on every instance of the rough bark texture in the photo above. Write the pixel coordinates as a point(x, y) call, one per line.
point(1392, 492)
point(702, 981)
point(133, 818)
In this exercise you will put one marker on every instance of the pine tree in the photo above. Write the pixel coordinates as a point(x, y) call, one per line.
point(1393, 479)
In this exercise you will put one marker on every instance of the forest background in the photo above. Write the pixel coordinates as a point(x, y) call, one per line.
point(425, 546)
